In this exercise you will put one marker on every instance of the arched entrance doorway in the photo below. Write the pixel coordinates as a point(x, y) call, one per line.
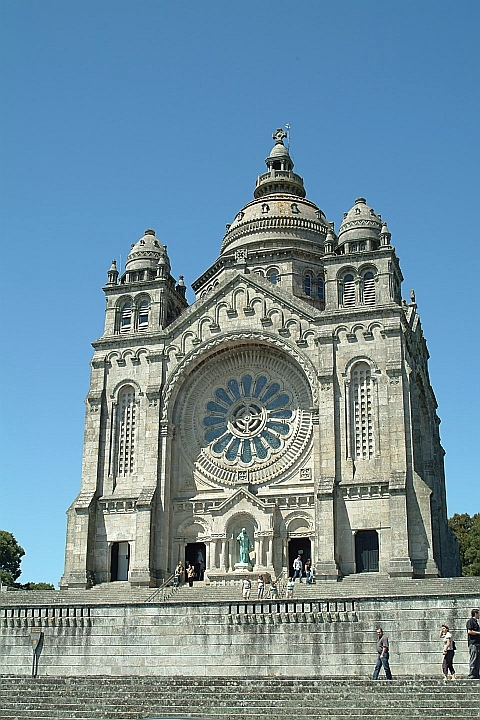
point(298, 546)
point(196, 555)
point(366, 551)
point(120, 561)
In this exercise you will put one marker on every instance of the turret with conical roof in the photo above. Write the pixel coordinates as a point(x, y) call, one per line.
point(280, 177)
point(147, 297)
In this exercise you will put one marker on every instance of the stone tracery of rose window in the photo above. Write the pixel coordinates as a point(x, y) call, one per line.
point(247, 420)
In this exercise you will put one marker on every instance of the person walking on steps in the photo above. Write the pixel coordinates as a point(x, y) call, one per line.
point(448, 652)
point(383, 655)
point(260, 587)
point(177, 577)
point(297, 568)
point(246, 587)
point(290, 587)
point(473, 636)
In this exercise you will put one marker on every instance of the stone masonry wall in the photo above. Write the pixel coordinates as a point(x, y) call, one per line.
point(296, 638)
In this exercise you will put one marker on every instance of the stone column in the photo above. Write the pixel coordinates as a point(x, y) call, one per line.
point(208, 554)
point(326, 437)
point(423, 495)
point(324, 558)
point(258, 557)
point(400, 563)
point(80, 559)
point(163, 500)
point(140, 573)
point(312, 548)
point(269, 541)
point(223, 555)
point(231, 554)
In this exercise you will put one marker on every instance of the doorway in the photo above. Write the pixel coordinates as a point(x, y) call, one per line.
point(296, 547)
point(366, 551)
point(196, 554)
point(120, 561)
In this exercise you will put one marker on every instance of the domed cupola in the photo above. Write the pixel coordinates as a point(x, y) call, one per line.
point(280, 213)
point(280, 177)
point(360, 225)
point(145, 253)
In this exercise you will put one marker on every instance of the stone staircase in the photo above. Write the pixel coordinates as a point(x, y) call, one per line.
point(82, 698)
point(371, 585)
point(368, 585)
point(105, 594)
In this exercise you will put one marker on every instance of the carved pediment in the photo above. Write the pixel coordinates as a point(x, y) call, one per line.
point(243, 497)
point(243, 303)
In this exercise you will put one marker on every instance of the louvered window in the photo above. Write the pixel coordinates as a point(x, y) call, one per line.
point(320, 288)
point(143, 315)
point(126, 318)
point(273, 277)
point(362, 413)
point(368, 289)
point(348, 291)
point(307, 284)
point(126, 431)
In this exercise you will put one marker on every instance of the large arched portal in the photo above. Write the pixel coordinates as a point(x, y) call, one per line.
point(243, 426)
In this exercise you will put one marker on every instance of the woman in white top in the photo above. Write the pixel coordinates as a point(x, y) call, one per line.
point(448, 652)
point(260, 587)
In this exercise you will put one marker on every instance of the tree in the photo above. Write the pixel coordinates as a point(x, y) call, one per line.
point(10, 558)
point(467, 532)
point(35, 586)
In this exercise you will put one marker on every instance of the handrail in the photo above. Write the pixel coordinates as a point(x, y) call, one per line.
point(281, 584)
point(162, 589)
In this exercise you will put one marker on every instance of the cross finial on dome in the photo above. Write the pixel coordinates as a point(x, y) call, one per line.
point(278, 135)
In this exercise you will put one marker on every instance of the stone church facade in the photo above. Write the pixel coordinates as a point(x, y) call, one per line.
point(292, 400)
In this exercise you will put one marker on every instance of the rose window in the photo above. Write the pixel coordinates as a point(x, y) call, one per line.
point(248, 420)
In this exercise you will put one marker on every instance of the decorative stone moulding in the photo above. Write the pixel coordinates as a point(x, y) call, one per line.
point(280, 612)
point(361, 492)
point(60, 616)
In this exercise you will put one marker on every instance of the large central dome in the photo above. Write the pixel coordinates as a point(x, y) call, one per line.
point(280, 213)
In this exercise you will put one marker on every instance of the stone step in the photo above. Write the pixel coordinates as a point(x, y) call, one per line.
point(10, 700)
point(243, 699)
point(179, 711)
point(365, 585)
point(227, 714)
point(213, 684)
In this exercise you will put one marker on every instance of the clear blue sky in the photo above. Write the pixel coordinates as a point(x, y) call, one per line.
point(118, 116)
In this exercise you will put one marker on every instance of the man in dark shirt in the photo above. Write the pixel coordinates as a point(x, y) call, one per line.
point(382, 652)
point(473, 635)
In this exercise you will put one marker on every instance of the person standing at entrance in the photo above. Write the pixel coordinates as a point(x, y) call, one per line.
point(473, 635)
point(297, 568)
point(383, 655)
point(190, 575)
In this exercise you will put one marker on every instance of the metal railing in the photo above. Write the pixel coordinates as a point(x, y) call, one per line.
point(164, 592)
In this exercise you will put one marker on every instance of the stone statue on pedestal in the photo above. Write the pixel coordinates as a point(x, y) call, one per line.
point(245, 547)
